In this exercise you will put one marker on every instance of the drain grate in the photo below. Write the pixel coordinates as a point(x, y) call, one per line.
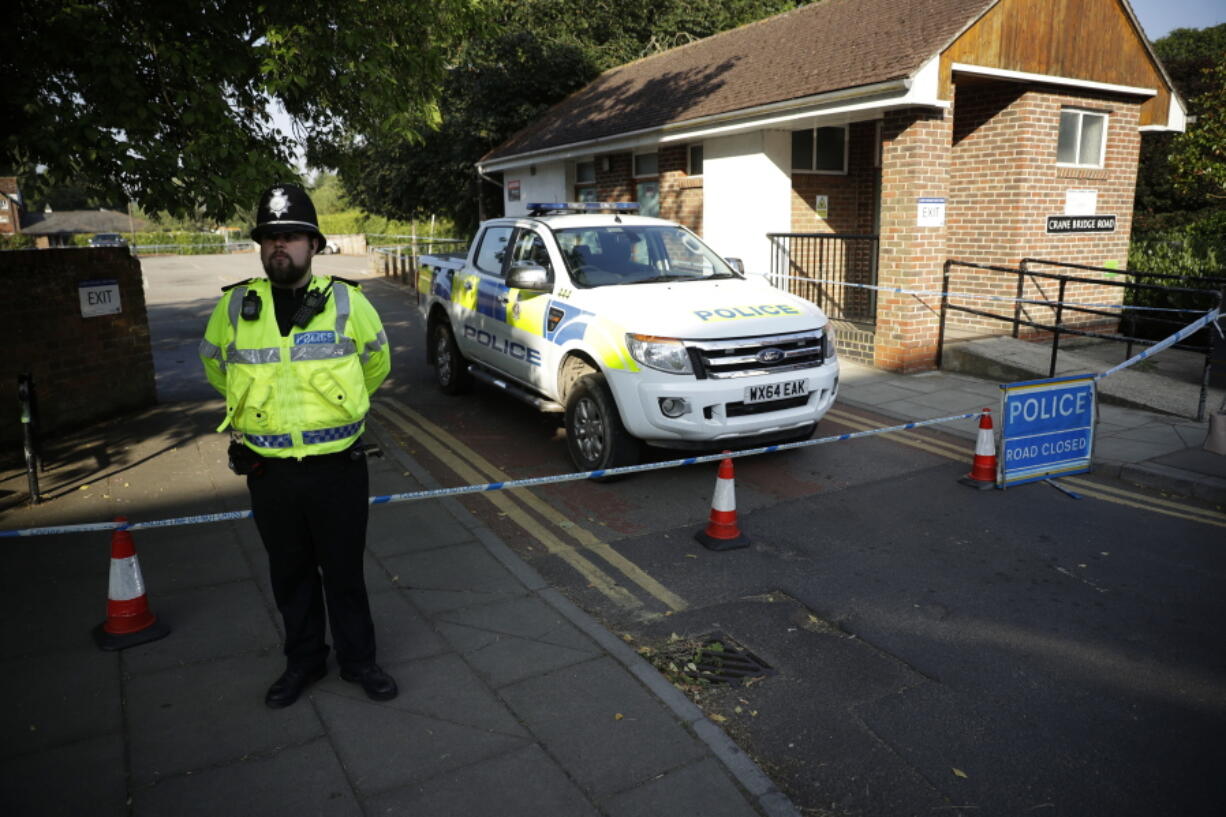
point(720, 660)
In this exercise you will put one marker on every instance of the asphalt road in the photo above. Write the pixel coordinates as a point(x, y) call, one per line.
point(935, 649)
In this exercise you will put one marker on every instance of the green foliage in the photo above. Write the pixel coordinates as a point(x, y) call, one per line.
point(1187, 54)
point(16, 242)
point(1197, 248)
point(167, 104)
point(534, 53)
point(1198, 157)
point(328, 195)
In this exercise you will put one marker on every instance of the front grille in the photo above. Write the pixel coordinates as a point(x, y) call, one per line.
point(740, 357)
point(743, 409)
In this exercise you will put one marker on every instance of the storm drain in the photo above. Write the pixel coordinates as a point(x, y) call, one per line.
point(720, 660)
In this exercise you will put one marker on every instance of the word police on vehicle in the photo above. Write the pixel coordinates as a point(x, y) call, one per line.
point(632, 327)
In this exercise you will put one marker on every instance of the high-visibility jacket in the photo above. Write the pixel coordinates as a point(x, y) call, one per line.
point(303, 394)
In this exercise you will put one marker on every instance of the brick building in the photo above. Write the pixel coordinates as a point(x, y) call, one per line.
point(870, 141)
point(10, 206)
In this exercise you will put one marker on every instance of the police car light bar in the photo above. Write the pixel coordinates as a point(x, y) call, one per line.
point(540, 208)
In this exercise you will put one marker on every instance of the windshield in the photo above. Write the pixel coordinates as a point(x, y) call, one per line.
point(636, 254)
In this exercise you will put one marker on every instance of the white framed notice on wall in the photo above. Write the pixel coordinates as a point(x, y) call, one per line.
point(1080, 202)
point(930, 212)
point(821, 206)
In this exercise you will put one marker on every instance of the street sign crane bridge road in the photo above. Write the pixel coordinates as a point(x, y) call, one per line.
point(1047, 428)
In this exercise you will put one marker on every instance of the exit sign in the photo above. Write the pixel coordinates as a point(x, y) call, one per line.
point(99, 298)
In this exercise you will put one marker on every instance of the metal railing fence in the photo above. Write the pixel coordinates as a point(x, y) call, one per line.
point(800, 262)
point(1059, 305)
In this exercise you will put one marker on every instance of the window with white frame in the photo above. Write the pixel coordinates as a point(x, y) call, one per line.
point(820, 150)
point(1083, 138)
point(694, 168)
point(646, 164)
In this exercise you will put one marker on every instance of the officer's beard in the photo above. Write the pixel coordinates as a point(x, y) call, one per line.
point(283, 272)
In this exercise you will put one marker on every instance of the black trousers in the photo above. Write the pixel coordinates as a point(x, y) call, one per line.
point(311, 514)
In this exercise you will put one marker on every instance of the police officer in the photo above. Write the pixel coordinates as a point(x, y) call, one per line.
point(297, 356)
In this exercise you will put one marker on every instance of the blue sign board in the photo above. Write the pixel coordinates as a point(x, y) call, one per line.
point(1047, 428)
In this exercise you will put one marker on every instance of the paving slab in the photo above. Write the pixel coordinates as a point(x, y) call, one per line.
point(189, 718)
point(383, 747)
point(412, 526)
point(522, 783)
point(202, 632)
point(34, 785)
point(701, 788)
point(612, 737)
point(58, 698)
point(524, 617)
point(402, 633)
point(299, 780)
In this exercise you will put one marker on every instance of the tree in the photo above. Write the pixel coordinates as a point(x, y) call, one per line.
point(1186, 53)
point(533, 54)
point(1198, 157)
point(167, 104)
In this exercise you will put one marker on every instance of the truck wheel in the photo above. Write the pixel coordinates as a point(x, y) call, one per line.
point(595, 436)
point(450, 367)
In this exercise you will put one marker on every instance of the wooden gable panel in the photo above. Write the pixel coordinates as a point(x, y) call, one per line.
point(1092, 40)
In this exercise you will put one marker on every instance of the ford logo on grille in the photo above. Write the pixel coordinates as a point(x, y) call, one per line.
point(769, 355)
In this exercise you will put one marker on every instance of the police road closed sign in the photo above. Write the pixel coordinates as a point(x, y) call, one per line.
point(1047, 428)
point(99, 298)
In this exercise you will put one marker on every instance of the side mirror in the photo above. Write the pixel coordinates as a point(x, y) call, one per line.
point(737, 265)
point(525, 275)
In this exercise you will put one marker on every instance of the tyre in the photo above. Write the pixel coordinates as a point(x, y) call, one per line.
point(595, 436)
point(450, 367)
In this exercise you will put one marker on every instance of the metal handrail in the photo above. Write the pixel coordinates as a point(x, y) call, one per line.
point(1058, 327)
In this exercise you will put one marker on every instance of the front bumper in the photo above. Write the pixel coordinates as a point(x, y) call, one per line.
point(717, 408)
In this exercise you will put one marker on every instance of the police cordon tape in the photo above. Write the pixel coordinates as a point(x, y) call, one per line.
point(972, 296)
point(495, 486)
point(1209, 317)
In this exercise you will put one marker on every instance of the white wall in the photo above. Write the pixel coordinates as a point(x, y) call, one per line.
point(746, 193)
point(549, 183)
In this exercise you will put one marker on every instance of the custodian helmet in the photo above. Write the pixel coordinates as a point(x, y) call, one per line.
point(286, 208)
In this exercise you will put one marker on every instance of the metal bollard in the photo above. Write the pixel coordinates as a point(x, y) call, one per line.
point(25, 394)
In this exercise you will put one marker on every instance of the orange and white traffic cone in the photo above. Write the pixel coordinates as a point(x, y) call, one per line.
point(128, 619)
point(722, 531)
point(983, 467)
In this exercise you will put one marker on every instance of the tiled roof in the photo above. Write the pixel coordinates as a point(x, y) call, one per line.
point(822, 47)
point(79, 221)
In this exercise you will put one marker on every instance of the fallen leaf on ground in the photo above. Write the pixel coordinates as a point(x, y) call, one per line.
point(959, 772)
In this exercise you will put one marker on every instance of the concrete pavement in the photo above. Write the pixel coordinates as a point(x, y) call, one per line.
point(513, 701)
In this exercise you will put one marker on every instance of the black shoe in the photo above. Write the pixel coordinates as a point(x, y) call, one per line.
point(286, 689)
point(379, 686)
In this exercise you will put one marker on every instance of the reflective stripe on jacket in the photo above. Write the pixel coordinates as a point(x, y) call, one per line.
point(304, 394)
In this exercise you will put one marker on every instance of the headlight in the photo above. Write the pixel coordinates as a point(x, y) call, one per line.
point(665, 354)
point(829, 352)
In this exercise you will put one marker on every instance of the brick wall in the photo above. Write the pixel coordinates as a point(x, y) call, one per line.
point(915, 164)
point(851, 196)
point(1005, 183)
point(616, 183)
point(85, 369)
point(680, 193)
point(10, 213)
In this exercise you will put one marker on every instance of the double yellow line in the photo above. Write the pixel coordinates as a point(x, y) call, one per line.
point(516, 503)
point(1107, 493)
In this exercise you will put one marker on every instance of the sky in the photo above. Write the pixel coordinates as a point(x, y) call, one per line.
point(1158, 17)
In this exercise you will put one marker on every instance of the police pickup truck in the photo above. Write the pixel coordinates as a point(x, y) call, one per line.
point(632, 327)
